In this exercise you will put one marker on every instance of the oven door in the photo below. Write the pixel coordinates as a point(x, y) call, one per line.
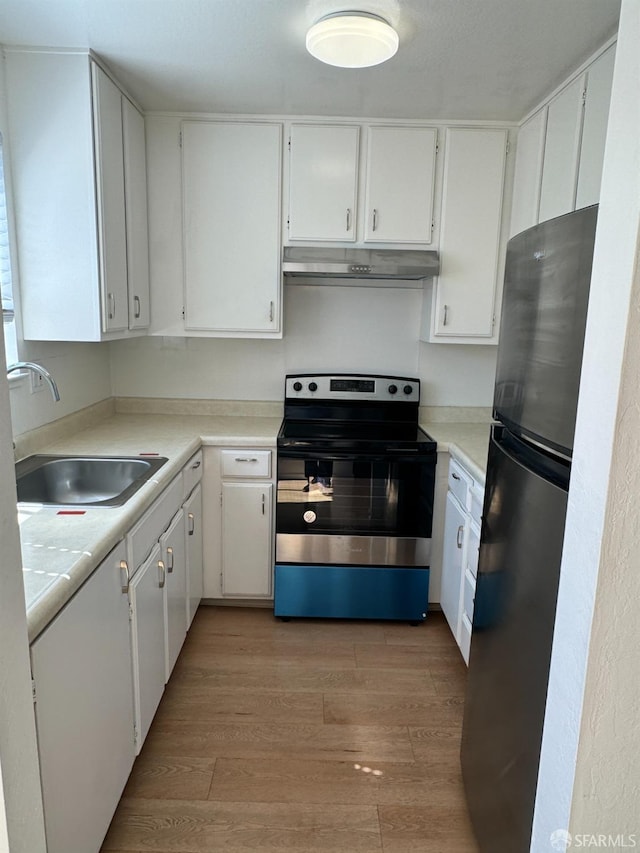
point(354, 508)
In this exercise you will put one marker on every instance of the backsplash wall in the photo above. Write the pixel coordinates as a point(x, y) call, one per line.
point(81, 372)
point(327, 328)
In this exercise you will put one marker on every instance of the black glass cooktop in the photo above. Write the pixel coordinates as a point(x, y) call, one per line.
point(355, 434)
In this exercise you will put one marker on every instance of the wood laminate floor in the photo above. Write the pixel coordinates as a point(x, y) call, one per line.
point(303, 736)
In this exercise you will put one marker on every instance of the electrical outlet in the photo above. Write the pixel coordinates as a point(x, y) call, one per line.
point(37, 382)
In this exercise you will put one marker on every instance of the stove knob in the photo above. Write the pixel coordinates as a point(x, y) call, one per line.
point(408, 389)
point(313, 386)
point(392, 389)
point(297, 386)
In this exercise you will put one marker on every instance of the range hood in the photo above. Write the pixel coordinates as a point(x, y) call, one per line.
point(406, 265)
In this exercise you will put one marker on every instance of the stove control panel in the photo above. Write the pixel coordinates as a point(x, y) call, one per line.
point(330, 386)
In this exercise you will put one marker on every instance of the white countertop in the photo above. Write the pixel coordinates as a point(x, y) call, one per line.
point(59, 552)
point(467, 442)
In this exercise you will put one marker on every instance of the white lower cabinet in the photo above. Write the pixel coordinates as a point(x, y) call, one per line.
point(247, 563)
point(193, 538)
point(454, 525)
point(148, 640)
point(81, 666)
point(239, 532)
point(461, 545)
point(174, 557)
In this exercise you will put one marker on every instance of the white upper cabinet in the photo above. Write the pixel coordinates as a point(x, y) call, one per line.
point(399, 184)
point(594, 130)
point(323, 182)
point(112, 236)
point(135, 184)
point(74, 236)
point(394, 203)
point(562, 148)
point(231, 176)
point(465, 291)
point(528, 173)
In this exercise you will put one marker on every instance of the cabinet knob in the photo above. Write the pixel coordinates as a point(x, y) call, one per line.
point(136, 305)
point(192, 523)
point(460, 535)
point(169, 556)
point(348, 219)
point(162, 574)
point(375, 219)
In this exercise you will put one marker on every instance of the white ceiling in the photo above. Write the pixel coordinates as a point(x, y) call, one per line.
point(458, 59)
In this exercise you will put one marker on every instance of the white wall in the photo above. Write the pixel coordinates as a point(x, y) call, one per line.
point(80, 370)
point(606, 793)
point(327, 328)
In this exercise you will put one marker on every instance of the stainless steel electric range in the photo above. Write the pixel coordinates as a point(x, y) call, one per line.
point(354, 505)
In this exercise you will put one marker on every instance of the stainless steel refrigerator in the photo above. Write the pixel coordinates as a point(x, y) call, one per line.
point(547, 277)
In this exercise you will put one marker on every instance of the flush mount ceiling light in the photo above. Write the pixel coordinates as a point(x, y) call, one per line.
point(352, 40)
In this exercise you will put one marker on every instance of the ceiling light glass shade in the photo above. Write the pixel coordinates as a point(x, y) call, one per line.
point(352, 40)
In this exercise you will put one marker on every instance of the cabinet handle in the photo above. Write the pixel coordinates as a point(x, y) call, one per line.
point(454, 475)
point(459, 536)
point(445, 315)
point(169, 554)
point(124, 576)
point(196, 464)
point(192, 523)
point(162, 574)
point(246, 459)
point(263, 503)
point(111, 305)
point(271, 312)
point(348, 219)
point(136, 305)
point(375, 219)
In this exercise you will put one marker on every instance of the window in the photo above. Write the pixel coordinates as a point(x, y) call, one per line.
point(8, 314)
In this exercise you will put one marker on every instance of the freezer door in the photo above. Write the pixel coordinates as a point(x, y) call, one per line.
point(544, 310)
point(516, 591)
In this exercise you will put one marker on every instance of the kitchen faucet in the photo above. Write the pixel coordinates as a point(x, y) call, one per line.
point(41, 371)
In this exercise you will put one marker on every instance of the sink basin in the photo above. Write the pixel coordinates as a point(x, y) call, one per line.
point(83, 480)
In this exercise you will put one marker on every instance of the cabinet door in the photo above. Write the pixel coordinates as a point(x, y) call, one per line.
point(528, 173)
point(455, 525)
point(84, 710)
point(464, 293)
point(323, 182)
point(193, 510)
point(135, 183)
point(174, 557)
point(247, 563)
point(562, 146)
point(231, 199)
point(400, 179)
point(111, 204)
point(147, 641)
point(594, 129)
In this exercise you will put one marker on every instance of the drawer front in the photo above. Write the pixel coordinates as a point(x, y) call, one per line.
point(460, 483)
point(191, 474)
point(246, 463)
point(146, 532)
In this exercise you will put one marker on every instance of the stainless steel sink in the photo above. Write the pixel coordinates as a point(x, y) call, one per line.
point(83, 480)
